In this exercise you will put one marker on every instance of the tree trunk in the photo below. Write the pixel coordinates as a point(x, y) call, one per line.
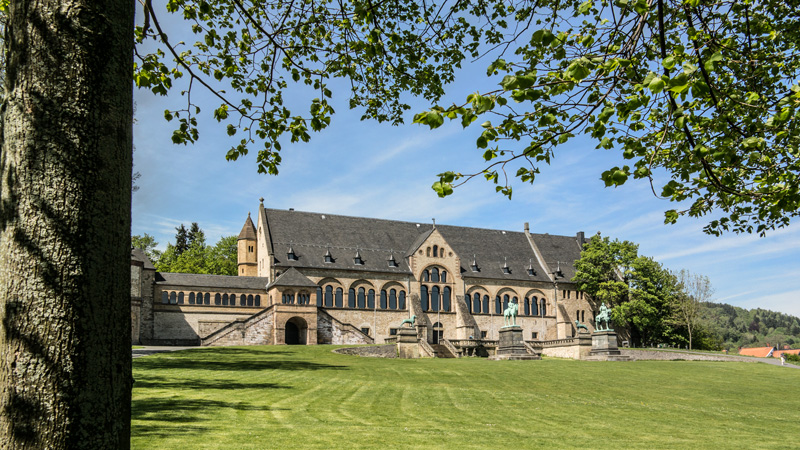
point(65, 187)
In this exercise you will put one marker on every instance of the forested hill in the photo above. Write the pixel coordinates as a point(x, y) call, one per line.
point(739, 327)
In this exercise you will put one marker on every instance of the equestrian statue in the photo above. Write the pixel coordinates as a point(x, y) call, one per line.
point(603, 316)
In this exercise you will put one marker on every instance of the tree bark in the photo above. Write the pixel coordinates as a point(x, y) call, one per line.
point(65, 187)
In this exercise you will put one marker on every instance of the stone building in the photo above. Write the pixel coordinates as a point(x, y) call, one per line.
point(311, 278)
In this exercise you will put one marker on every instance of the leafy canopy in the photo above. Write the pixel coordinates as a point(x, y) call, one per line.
point(701, 96)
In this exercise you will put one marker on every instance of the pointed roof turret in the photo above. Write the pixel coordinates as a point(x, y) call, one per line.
point(248, 230)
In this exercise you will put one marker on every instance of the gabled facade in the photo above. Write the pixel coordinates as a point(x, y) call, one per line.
point(314, 278)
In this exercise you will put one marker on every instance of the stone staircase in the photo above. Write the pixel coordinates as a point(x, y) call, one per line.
point(442, 351)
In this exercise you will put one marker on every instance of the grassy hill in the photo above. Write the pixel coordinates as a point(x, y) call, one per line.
point(738, 327)
point(308, 397)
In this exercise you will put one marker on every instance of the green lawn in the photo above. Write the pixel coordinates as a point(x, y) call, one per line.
point(307, 397)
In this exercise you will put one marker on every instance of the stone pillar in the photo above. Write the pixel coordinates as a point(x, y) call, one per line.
point(511, 345)
point(407, 343)
point(604, 347)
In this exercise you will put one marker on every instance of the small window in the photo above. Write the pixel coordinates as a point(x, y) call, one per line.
point(191, 298)
point(173, 298)
point(483, 335)
point(365, 330)
point(258, 300)
point(165, 297)
point(225, 299)
point(435, 251)
point(358, 260)
point(444, 276)
point(392, 331)
point(180, 298)
point(291, 255)
point(435, 275)
point(207, 299)
point(217, 299)
point(401, 302)
point(534, 335)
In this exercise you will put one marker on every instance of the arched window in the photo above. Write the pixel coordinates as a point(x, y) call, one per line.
point(319, 296)
point(435, 298)
point(258, 300)
point(191, 298)
point(339, 297)
point(426, 276)
point(543, 308)
point(351, 298)
point(424, 301)
point(249, 301)
point(516, 300)
point(444, 276)
point(225, 299)
point(435, 251)
point(498, 308)
point(392, 299)
point(384, 299)
point(446, 299)
point(401, 302)
point(534, 306)
point(217, 299)
point(329, 295)
point(527, 306)
point(371, 299)
point(165, 297)
point(505, 302)
point(180, 298)
point(583, 316)
point(428, 252)
point(435, 275)
point(207, 299)
point(173, 298)
point(361, 300)
point(476, 303)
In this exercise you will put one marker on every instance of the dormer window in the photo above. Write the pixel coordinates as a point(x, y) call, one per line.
point(357, 260)
point(506, 269)
point(392, 262)
point(474, 265)
point(290, 255)
point(328, 257)
point(531, 271)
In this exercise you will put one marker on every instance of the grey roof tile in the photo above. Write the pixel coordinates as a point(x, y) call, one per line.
point(211, 281)
point(292, 277)
point(312, 234)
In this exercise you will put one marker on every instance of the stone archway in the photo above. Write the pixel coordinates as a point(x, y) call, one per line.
point(296, 331)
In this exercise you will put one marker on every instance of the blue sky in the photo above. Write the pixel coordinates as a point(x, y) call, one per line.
point(376, 170)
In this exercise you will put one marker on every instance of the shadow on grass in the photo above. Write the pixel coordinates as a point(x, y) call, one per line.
point(238, 365)
point(168, 417)
point(145, 382)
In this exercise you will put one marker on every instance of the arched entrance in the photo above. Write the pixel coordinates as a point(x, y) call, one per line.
point(438, 333)
point(296, 331)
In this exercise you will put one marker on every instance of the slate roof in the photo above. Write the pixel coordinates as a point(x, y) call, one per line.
point(139, 255)
point(211, 281)
point(310, 235)
point(248, 230)
point(293, 278)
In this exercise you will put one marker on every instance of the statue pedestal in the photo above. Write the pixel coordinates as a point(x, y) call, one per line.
point(511, 345)
point(604, 347)
point(407, 343)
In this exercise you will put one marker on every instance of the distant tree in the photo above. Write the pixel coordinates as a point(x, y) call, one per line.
point(195, 234)
point(603, 268)
point(224, 256)
point(148, 244)
point(220, 259)
point(181, 240)
point(694, 290)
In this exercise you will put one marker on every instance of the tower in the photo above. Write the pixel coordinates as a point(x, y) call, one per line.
point(248, 267)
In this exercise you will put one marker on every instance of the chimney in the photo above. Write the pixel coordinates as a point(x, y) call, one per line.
point(580, 238)
point(527, 228)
